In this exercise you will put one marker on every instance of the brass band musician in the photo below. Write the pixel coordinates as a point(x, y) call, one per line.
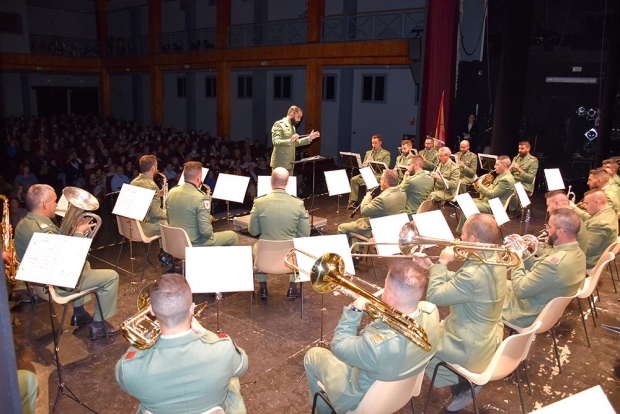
point(378, 154)
point(429, 154)
point(446, 176)
point(467, 163)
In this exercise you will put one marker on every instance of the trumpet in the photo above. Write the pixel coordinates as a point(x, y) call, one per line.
point(570, 194)
point(328, 274)
point(80, 203)
point(142, 330)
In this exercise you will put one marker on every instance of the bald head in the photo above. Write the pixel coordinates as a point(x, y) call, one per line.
point(279, 178)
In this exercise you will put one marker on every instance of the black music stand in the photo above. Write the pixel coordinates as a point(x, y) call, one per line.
point(303, 162)
point(350, 160)
point(377, 167)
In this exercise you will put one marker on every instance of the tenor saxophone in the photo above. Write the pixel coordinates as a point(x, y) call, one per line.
point(10, 269)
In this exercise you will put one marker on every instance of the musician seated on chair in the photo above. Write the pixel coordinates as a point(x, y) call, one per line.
point(155, 214)
point(600, 179)
point(475, 293)
point(429, 154)
point(416, 184)
point(378, 154)
point(390, 201)
point(446, 172)
point(560, 271)
point(468, 165)
point(189, 208)
point(524, 168)
point(503, 186)
point(278, 216)
point(377, 353)
point(557, 199)
point(41, 204)
point(406, 152)
point(601, 224)
point(189, 369)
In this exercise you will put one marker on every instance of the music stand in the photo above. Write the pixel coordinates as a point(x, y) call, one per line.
point(377, 167)
point(554, 179)
point(230, 270)
point(337, 184)
point(524, 201)
point(350, 160)
point(498, 211)
point(230, 188)
point(313, 160)
point(263, 185)
point(487, 161)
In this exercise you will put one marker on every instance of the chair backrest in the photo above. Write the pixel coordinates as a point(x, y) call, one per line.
point(269, 256)
point(614, 248)
point(174, 241)
point(457, 191)
point(386, 397)
point(507, 203)
point(552, 312)
point(595, 274)
point(135, 233)
point(425, 206)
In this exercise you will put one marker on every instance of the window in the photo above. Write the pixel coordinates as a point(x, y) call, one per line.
point(210, 87)
point(329, 87)
point(373, 88)
point(181, 85)
point(282, 87)
point(244, 87)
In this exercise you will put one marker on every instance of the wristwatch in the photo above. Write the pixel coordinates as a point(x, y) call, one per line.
point(352, 307)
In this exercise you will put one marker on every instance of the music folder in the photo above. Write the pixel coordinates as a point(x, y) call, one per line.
point(351, 159)
point(377, 167)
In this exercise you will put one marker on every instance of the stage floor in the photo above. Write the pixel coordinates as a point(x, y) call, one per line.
point(276, 338)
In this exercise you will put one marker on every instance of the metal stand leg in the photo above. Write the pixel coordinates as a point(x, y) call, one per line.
point(583, 319)
point(527, 376)
point(555, 347)
point(520, 391)
point(218, 299)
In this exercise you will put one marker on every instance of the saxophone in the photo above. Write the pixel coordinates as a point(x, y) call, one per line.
point(10, 270)
point(164, 186)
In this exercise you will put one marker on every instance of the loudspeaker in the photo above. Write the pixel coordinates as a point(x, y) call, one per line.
point(415, 48)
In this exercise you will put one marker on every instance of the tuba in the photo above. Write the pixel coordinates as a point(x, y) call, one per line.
point(10, 270)
point(328, 274)
point(80, 201)
point(142, 330)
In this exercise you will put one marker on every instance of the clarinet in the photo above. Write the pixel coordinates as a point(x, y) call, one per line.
point(373, 193)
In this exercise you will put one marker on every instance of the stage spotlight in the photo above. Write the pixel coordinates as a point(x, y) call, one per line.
point(591, 134)
point(581, 111)
point(591, 114)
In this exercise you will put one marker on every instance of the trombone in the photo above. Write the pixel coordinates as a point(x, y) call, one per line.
point(328, 274)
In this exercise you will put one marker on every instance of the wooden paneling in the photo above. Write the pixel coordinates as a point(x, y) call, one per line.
point(223, 99)
point(157, 95)
point(105, 104)
point(223, 10)
point(154, 25)
point(312, 113)
point(23, 62)
point(316, 10)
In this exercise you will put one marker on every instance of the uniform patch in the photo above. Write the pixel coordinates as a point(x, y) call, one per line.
point(130, 355)
point(376, 338)
point(208, 204)
point(555, 260)
point(222, 335)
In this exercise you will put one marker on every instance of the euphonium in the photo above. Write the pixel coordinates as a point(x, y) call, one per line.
point(328, 273)
point(142, 330)
point(80, 201)
point(10, 270)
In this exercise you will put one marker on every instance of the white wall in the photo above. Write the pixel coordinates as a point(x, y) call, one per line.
point(121, 96)
point(15, 43)
point(277, 108)
point(11, 102)
point(206, 108)
point(51, 22)
point(174, 107)
point(42, 79)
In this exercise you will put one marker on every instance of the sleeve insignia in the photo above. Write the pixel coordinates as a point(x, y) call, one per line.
point(376, 338)
point(557, 258)
point(130, 355)
point(222, 335)
point(208, 205)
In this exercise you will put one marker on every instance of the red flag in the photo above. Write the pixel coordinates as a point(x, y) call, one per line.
point(440, 129)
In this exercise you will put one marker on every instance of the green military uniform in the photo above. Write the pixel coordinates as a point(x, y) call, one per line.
point(189, 208)
point(417, 188)
point(502, 188)
point(402, 161)
point(278, 216)
point(450, 172)
point(283, 153)
point(381, 155)
point(432, 158)
point(105, 279)
point(616, 179)
point(155, 214)
point(28, 390)
point(612, 197)
point(559, 272)
point(529, 165)
point(378, 353)
point(185, 373)
point(602, 230)
point(468, 172)
point(390, 201)
point(472, 332)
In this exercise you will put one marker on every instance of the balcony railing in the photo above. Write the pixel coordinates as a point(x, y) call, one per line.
point(63, 46)
point(277, 33)
point(128, 46)
point(398, 24)
point(201, 39)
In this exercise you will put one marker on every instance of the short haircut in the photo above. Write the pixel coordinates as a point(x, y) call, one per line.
point(279, 177)
point(554, 193)
point(464, 141)
point(406, 142)
point(191, 170)
point(171, 298)
point(391, 177)
point(444, 150)
point(293, 109)
point(147, 162)
point(418, 160)
point(504, 159)
point(36, 194)
point(567, 220)
point(483, 227)
point(597, 193)
point(600, 173)
point(526, 143)
point(408, 281)
point(428, 138)
point(377, 137)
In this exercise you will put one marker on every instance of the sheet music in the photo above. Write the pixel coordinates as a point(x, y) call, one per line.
point(433, 224)
point(467, 204)
point(377, 166)
point(317, 247)
point(353, 154)
point(554, 179)
point(219, 269)
point(62, 206)
point(337, 182)
point(133, 202)
point(231, 187)
point(264, 185)
point(498, 211)
point(54, 259)
point(369, 178)
point(386, 230)
point(204, 175)
point(523, 198)
point(445, 183)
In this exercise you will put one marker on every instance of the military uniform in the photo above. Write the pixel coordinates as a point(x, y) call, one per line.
point(472, 332)
point(502, 188)
point(468, 172)
point(602, 230)
point(185, 373)
point(283, 153)
point(155, 214)
point(431, 159)
point(403, 159)
point(278, 216)
point(105, 279)
point(417, 189)
point(450, 172)
point(529, 165)
point(559, 272)
point(612, 197)
point(28, 390)
point(189, 208)
point(378, 353)
point(383, 156)
point(390, 201)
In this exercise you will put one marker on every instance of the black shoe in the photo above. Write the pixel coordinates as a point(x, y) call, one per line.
point(293, 293)
point(352, 205)
point(97, 331)
point(166, 260)
point(20, 295)
point(262, 293)
point(81, 320)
